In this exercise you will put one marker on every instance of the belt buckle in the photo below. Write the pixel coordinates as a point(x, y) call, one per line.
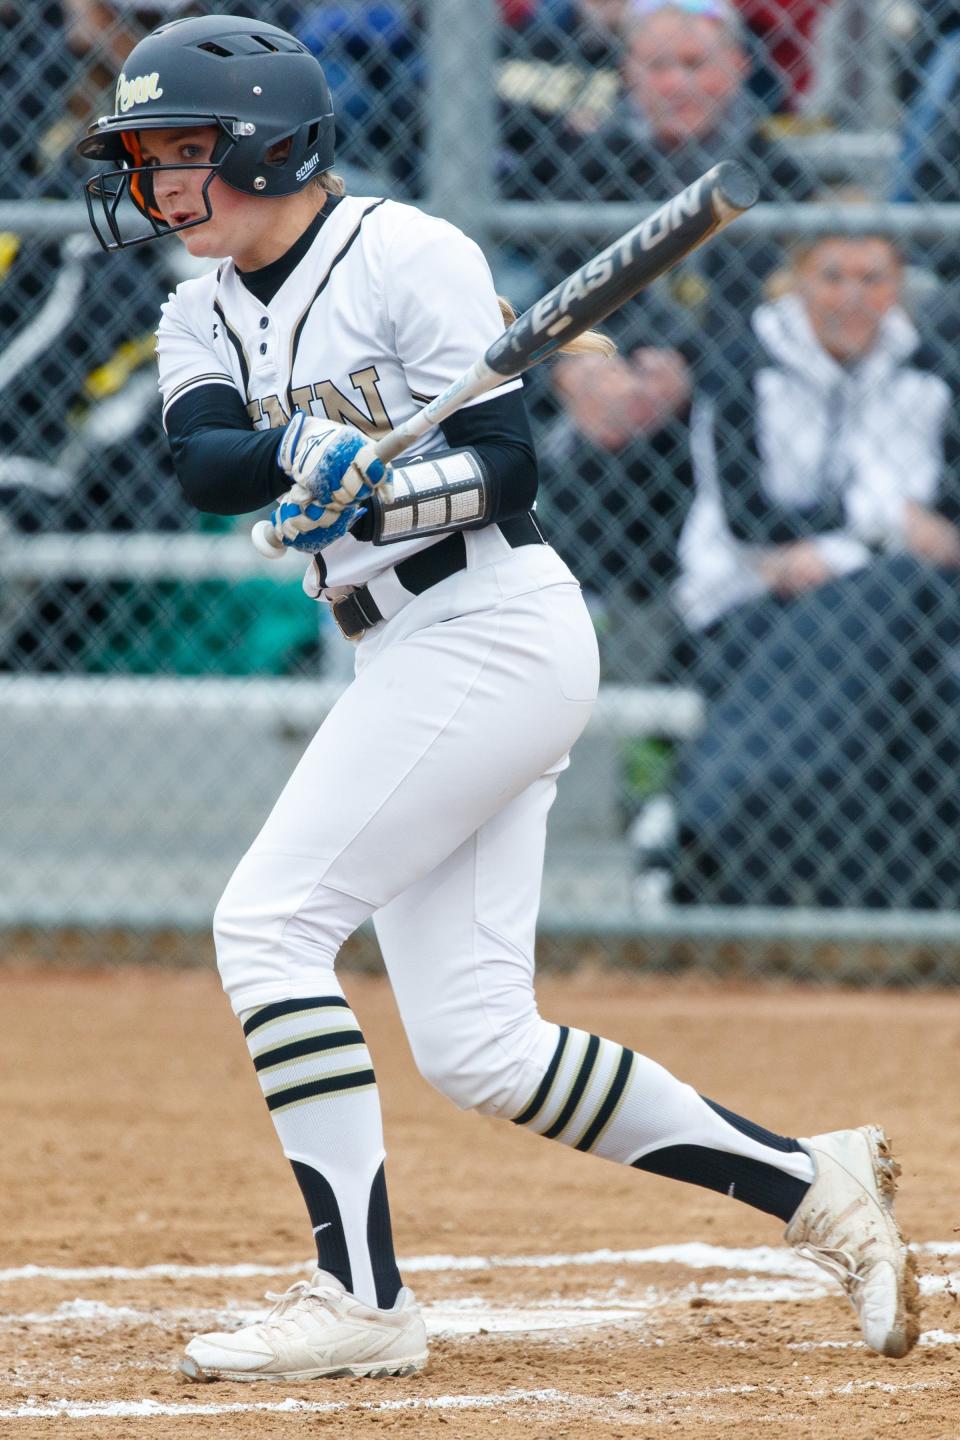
point(352, 635)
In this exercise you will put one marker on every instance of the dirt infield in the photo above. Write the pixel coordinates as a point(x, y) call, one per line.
point(567, 1296)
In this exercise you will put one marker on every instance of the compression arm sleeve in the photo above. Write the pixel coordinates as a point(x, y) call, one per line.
point(225, 467)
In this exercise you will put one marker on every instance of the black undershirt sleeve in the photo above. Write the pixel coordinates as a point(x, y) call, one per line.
point(499, 431)
point(226, 467)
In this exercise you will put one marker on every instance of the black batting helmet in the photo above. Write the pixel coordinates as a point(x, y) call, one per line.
point(255, 82)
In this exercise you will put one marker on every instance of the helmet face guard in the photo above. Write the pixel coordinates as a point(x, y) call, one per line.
point(111, 194)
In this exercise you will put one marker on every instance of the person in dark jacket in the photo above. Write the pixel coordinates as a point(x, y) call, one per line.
point(617, 484)
point(684, 107)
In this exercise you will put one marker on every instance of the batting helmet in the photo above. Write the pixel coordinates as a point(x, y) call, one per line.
point(255, 82)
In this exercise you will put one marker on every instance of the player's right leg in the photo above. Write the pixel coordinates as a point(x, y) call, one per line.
point(458, 946)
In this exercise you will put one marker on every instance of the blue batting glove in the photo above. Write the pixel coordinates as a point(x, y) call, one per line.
point(333, 463)
point(298, 524)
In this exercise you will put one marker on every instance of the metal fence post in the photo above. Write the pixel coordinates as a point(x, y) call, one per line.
point(461, 115)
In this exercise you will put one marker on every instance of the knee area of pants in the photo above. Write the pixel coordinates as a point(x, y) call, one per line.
point(234, 918)
point(231, 935)
point(491, 1079)
point(246, 927)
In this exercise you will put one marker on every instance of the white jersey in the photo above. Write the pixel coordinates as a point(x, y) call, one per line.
point(388, 306)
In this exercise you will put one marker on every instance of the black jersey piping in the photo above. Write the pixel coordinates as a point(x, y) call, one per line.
point(237, 344)
point(298, 330)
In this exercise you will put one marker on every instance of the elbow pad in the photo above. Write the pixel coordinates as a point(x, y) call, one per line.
point(431, 496)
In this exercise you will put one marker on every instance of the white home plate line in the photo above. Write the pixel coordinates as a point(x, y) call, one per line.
point(449, 1319)
point(696, 1255)
point(460, 1318)
point(930, 1338)
point(583, 1404)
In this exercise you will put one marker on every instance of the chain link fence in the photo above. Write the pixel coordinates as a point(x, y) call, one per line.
point(759, 492)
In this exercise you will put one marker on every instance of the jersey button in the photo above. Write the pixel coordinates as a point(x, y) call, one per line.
point(264, 322)
point(263, 348)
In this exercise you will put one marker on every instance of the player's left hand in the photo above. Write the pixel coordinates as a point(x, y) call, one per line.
point(333, 463)
point(302, 523)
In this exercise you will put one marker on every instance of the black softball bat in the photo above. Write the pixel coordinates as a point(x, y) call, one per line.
point(581, 301)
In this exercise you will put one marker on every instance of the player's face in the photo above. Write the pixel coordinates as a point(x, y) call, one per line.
point(847, 285)
point(683, 71)
point(179, 192)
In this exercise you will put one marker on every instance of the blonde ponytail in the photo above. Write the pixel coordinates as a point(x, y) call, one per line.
point(330, 183)
point(591, 342)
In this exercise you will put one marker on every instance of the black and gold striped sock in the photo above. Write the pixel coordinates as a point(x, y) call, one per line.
point(317, 1079)
point(599, 1096)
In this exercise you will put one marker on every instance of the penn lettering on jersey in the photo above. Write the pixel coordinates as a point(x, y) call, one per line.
point(368, 413)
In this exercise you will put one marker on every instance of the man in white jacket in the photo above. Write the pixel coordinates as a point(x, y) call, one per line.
point(818, 580)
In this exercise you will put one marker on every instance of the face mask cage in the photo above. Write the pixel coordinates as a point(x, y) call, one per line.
point(113, 195)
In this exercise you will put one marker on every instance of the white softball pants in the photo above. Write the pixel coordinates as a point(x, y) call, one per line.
point(422, 801)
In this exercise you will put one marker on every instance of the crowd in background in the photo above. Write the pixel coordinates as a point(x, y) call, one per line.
point(759, 492)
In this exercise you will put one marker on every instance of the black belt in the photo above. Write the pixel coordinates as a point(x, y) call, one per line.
point(358, 611)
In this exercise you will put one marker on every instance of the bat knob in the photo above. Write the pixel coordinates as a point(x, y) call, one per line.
point(265, 540)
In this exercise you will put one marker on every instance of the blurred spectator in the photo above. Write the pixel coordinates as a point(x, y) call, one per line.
point(372, 55)
point(36, 73)
point(77, 372)
point(561, 64)
point(616, 486)
point(81, 445)
point(685, 107)
point(616, 467)
point(558, 79)
point(819, 583)
point(564, 64)
point(57, 69)
point(927, 167)
point(109, 29)
point(786, 30)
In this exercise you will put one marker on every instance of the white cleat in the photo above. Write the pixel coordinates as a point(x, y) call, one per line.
point(315, 1329)
point(845, 1225)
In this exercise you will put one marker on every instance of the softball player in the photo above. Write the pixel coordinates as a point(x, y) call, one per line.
point(422, 800)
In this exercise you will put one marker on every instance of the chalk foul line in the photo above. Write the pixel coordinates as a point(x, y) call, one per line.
point(551, 1398)
point(695, 1255)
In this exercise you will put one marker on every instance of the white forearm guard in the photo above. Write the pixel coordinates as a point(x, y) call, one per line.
point(431, 496)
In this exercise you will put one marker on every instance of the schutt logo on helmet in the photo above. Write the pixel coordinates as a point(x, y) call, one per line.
point(308, 168)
